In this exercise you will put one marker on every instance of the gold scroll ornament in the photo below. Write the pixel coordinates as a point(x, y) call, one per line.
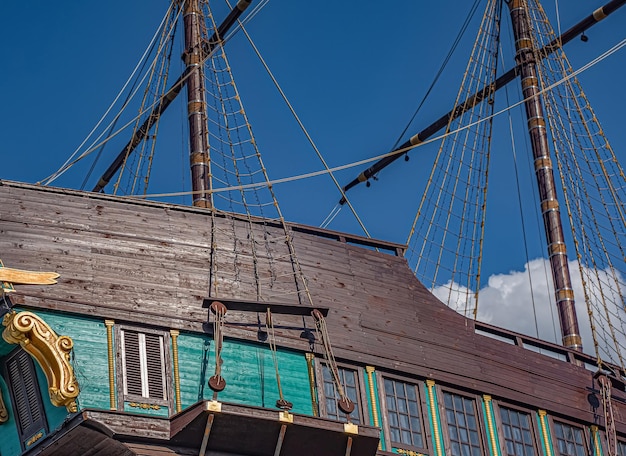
point(4, 413)
point(51, 351)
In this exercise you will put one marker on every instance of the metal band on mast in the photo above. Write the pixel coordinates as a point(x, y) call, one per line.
point(483, 94)
point(525, 59)
point(169, 96)
point(196, 106)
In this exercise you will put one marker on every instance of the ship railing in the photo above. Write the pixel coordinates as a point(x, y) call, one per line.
point(549, 349)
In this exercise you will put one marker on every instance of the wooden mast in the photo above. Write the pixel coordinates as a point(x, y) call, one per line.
point(193, 20)
point(481, 95)
point(525, 59)
point(142, 132)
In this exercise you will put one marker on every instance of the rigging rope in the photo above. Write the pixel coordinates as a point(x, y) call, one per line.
point(594, 190)
point(70, 161)
point(456, 42)
point(354, 164)
point(609, 418)
point(329, 171)
point(446, 236)
point(217, 382)
point(281, 403)
point(344, 403)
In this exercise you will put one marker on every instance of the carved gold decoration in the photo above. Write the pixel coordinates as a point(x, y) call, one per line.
point(109, 325)
point(350, 428)
point(309, 364)
point(34, 438)
point(430, 385)
point(144, 406)
point(595, 435)
point(4, 413)
point(490, 423)
point(543, 416)
point(409, 452)
point(51, 351)
point(174, 333)
point(370, 383)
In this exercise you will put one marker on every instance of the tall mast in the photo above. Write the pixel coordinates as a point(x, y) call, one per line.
point(193, 20)
point(525, 59)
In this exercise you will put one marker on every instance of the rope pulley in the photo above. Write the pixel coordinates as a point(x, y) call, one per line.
point(344, 403)
point(217, 382)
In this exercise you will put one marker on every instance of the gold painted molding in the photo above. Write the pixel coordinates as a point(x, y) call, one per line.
point(543, 416)
point(4, 413)
point(174, 335)
point(490, 424)
point(430, 386)
point(109, 325)
point(51, 351)
point(309, 365)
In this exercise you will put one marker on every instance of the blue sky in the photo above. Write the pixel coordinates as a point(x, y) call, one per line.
point(354, 72)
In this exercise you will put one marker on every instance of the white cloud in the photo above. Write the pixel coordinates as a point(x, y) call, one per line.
point(507, 301)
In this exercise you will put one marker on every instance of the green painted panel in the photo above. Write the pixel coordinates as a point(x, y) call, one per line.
point(193, 362)
point(54, 415)
point(9, 438)
point(89, 356)
point(5, 348)
point(249, 372)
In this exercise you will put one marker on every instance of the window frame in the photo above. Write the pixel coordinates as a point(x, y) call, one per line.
point(445, 432)
point(586, 434)
point(620, 444)
point(121, 377)
point(360, 390)
point(536, 440)
point(423, 410)
point(36, 426)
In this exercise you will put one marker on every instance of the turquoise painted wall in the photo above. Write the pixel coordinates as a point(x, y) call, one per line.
point(89, 356)
point(89, 360)
point(249, 373)
point(248, 369)
point(9, 439)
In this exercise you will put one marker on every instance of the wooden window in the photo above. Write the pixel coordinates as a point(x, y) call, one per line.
point(403, 414)
point(25, 396)
point(517, 432)
point(621, 449)
point(462, 423)
point(144, 365)
point(350, 381)
point(569, 440)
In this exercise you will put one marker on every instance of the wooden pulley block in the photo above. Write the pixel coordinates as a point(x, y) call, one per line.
point(217, 307)
point(283, 404)
point(216, 383)
point(317, 315)
point(346, 406)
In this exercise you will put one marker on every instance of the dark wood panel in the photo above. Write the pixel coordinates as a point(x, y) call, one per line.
point(151, 262)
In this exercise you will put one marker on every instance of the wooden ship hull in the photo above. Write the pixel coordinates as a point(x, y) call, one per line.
point(132, 327)
point(144, 267)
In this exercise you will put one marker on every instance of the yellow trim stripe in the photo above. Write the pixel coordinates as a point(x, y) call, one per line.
point(430, 384)
point(174, 333)
point(109, 325)
point(492, 432)
point(544, 432)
